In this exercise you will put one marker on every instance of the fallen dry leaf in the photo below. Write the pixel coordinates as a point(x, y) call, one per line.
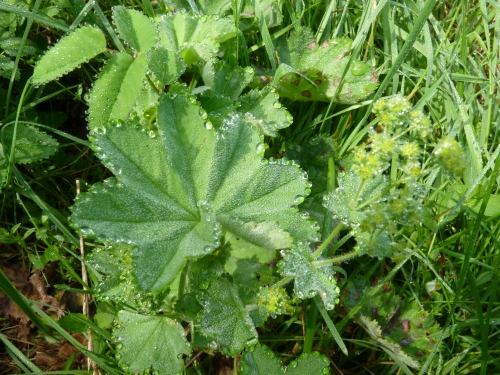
point(34, 289)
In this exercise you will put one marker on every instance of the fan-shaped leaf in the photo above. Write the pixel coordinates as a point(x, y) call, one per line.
point(195, 37)
point(174, 195)
point(165, 65)
point(310, 71)
point(263, 110)
point(225, 80)
point(31, 144)
point(135, 28)
point(225, 318)
point(70, 52)
point(116, 89)
point(151, 342)
point(261, 361)
point(208, 7)
point(310, 280)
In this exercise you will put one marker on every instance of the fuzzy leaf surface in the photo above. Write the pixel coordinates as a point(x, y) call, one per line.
point(313, 158)
point(69, 53)
point(151, 342)
point(175, 194)
point(31, 144)
point(311, 72)
point(165, 65)
point(208, 7)
point(309, 279)
point(263, 110)
point(261, 361)
point(225, 318)
point(194, 37)
point(135, 28)
point(117, 88)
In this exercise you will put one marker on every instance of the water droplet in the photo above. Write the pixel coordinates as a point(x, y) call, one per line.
point(209, 125)
point(298, 199)
point(260, 148)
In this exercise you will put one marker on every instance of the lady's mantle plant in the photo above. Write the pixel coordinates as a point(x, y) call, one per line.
point(196, 217)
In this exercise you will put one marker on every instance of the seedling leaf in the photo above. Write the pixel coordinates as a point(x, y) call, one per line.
point(69, 53)
point(151, 342)
point(176, 194)
point(135, 28)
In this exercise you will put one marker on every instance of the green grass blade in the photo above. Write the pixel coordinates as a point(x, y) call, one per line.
point(410, 41)
point(28, 191)
point(330, 325)
point(98, 359)
point(268, 43)
point(17, 353)
point(39, 18)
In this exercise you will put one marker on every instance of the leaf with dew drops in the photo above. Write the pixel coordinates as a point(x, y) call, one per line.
point(194, 37)
point(135, 28)
point(150, 342)
point(116, 89)
point(225, 318)
point(260, 360)
point(175, 195)
point(69, 53)
point(310, 280)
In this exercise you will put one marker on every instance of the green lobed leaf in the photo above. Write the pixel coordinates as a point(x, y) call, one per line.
point(176, 194)
point(226, 80)
point(117, 88)
point(353, 191)
point(151, 342)
point(271, 10)
point(11, 45)
point(260, 360)
point(225, 318)
point(313, 157)
point(195, 38)
point(259, 108)
point(165, 65)
point(115, 263)
point(207, 7)
point(311, 72)
point(31, 144)
point(69, 53)
point(263, 110)
point(135, 28)
point(310, 280)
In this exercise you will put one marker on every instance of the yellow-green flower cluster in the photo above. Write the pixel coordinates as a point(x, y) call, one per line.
point(393, 112)
point(368, 164)
point(275, 300)
point(449, 154)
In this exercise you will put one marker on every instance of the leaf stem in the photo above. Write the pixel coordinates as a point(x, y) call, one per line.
point(330, 238)
point(283, 281)
point(340, 258)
